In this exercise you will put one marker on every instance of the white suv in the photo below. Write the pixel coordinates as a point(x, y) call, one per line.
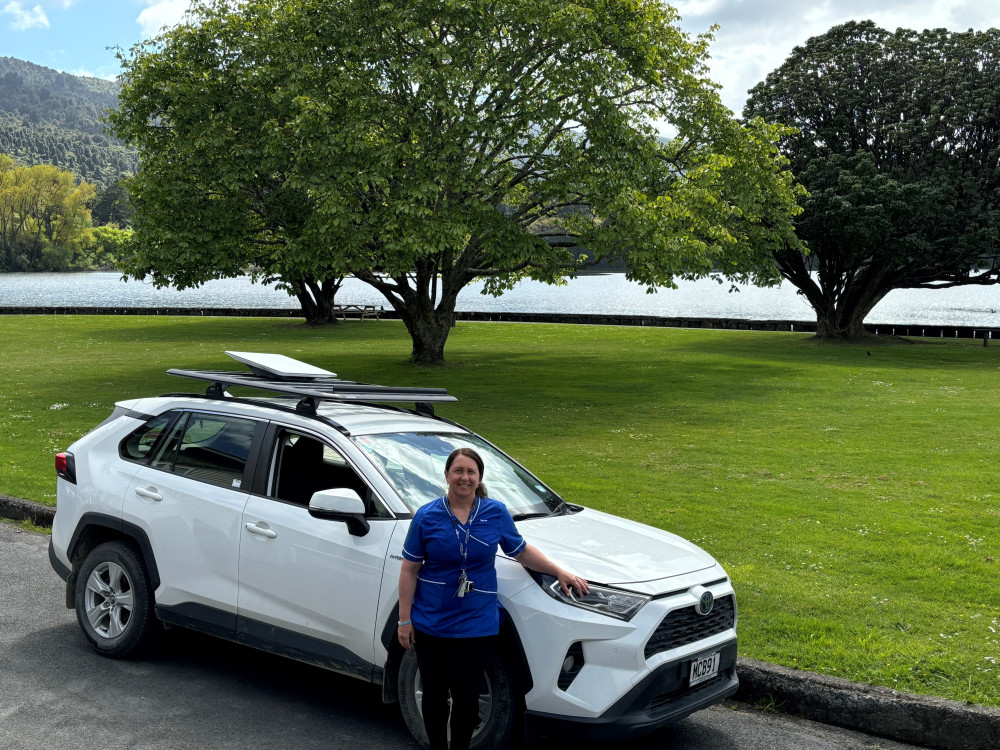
point(278, 522)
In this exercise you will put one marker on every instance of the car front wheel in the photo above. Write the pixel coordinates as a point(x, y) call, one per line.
point(499, 705)
point(114, 601)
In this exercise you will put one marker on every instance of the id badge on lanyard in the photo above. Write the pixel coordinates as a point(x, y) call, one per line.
point(464, 584)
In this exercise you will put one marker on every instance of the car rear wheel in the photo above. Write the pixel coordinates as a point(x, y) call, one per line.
point(499, 705)
point(114, 601)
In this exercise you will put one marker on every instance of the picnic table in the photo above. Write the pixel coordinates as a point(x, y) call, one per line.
point(358, 311)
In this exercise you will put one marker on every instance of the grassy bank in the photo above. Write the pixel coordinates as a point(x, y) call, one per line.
point(850, 491)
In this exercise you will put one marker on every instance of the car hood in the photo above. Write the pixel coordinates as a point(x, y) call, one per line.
point(611, 550)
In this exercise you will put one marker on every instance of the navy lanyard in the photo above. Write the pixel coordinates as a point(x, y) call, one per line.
point(463, 548)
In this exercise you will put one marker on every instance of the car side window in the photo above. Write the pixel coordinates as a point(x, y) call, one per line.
point(139, 445)
point(205, 447)
point(214, 449)
point(302, 465)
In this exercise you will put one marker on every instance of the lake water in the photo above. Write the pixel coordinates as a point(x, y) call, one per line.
point(608, 294)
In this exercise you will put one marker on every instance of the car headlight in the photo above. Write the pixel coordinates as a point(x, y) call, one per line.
point(604, 600)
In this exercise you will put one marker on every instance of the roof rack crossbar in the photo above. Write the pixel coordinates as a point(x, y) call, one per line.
point(318, 389)
point(330, 384)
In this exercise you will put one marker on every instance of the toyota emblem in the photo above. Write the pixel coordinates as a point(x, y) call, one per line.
point(705, 603)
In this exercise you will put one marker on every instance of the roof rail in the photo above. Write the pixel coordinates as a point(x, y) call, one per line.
point(280, 374)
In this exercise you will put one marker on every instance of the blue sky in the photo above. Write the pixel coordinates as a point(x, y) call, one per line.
point(74, 35)
point(755, 36)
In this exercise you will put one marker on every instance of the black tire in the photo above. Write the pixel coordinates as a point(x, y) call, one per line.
point(500, 707)
point(114, 602)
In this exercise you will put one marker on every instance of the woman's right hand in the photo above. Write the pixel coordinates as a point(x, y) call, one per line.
point(406, 636)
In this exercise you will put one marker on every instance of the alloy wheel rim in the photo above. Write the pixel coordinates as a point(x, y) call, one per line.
point(109, 600)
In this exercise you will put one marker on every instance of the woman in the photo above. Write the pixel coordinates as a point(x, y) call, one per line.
point(447, 594)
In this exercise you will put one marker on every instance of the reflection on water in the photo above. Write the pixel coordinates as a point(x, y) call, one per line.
point(608, 294)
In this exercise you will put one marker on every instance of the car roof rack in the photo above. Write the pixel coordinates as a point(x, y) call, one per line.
point(281, 374)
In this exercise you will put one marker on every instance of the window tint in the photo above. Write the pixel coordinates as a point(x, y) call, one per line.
point(140, 444)
point(208, 448)
point(303, 465)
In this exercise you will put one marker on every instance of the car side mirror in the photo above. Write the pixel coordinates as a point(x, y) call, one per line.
point(340, 504)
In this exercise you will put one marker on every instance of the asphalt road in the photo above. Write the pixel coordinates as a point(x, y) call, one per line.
point(200, 692)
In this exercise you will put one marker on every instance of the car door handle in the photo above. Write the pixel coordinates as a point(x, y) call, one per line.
point(255, 529)
point(148, 494)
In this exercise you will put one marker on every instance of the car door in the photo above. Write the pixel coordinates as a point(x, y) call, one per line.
point(189, 500)
point(308, 587)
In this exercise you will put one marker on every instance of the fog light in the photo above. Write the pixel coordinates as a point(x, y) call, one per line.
point(571, 665)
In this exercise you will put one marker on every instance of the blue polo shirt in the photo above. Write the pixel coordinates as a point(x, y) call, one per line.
point(433, 541)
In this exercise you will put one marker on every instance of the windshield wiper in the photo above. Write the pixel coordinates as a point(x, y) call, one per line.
point(564, 508)
point(560, 510)
point(524, 516)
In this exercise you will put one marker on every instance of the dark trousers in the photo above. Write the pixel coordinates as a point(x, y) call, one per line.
point(455, 665)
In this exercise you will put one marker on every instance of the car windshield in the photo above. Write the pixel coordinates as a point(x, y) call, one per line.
point(413, 462)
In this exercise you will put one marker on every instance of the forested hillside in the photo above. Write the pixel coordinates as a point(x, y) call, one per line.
point(48, 117)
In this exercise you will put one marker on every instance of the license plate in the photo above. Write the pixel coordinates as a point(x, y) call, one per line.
point(705, 668)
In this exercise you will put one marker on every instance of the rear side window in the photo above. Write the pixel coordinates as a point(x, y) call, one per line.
point(205, 447)
point(212, 449)
point(140, 444)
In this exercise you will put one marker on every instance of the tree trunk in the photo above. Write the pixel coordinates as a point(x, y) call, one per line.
point(413, 296)
point(429, 333)
point(842, 317)
point(841, 299)
point(836, 324)
point(317, 300)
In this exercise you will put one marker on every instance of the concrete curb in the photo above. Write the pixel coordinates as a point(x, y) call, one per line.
point(916, 719)
point(26, 510)
point(904, 717)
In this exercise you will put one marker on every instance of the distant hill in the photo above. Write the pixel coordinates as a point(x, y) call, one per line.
point(48, 117)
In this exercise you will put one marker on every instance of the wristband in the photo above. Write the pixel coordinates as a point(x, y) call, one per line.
point(405, 622)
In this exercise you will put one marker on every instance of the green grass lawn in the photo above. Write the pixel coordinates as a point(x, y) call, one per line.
point(852, 497)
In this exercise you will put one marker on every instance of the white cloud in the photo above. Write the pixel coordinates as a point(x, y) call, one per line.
point(25, 18)
point(756, 36)
point(164, 13)
point(90, 74)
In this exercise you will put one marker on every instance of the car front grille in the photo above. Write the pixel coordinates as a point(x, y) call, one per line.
point(684, 626)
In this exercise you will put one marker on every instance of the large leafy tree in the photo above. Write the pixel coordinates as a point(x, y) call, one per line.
point(44, 216)
point(898, 143)
point(422, 144)
point(207, 105)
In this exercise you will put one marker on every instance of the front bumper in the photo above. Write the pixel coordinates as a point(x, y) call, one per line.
point(662, 698)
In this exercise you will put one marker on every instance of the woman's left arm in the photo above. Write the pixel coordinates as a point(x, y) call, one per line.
point(532, 558)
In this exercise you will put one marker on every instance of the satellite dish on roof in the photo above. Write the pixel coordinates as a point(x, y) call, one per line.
point(281, 374)
point(279, 366)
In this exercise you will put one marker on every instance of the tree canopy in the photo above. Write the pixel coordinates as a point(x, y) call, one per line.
point(44, 218)
point(112, 205)
point(898, 144)
point(422, 144)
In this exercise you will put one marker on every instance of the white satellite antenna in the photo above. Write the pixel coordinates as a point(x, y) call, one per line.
point(279, 366)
